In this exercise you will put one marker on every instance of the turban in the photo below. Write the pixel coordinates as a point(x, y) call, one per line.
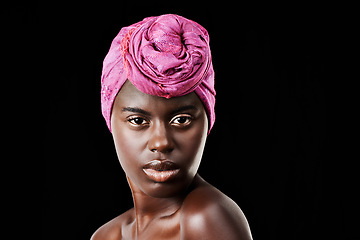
point(166, 56)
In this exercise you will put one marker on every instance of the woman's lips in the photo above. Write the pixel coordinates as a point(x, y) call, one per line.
point(161, 170)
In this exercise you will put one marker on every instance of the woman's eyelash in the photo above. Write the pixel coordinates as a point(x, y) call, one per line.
point(182, 120)
point(137, 120)
point(179, 120)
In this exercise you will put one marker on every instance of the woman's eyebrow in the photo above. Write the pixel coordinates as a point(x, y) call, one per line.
point(183, 108)
point(135, 110)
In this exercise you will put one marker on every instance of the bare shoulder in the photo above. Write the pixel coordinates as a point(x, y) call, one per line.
point(112, 230)
point(209, 213)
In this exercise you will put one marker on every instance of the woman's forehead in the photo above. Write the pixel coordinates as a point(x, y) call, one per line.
point(130, 96)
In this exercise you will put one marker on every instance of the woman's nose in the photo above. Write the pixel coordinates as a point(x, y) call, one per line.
point(160, 139)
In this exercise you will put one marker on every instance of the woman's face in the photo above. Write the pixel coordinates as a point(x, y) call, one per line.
point(159, 141)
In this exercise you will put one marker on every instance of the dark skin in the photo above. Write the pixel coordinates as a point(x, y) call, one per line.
point(147, 128)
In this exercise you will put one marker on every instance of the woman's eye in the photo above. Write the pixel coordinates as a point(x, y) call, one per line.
point(137, 121)
point(181, 120)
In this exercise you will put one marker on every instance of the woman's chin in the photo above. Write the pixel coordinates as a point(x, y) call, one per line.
point(166, 189)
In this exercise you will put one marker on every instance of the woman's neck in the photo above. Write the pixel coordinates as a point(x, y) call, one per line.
point(148, 208)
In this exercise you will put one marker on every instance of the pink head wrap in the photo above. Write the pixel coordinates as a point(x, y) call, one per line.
point(166, 56)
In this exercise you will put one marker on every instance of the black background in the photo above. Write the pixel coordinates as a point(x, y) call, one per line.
point(266, 150)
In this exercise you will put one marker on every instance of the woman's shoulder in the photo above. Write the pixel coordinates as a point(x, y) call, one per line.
point(113, 229)
point(209, 212)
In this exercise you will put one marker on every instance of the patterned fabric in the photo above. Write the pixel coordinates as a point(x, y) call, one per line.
point(166, 56)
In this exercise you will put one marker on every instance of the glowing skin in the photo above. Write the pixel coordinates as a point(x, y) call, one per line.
point(159, 143)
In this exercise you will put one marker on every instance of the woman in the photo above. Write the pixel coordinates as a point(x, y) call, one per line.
point(158, 101)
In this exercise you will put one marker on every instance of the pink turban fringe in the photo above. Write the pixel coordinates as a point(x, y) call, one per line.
point(166, 56)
